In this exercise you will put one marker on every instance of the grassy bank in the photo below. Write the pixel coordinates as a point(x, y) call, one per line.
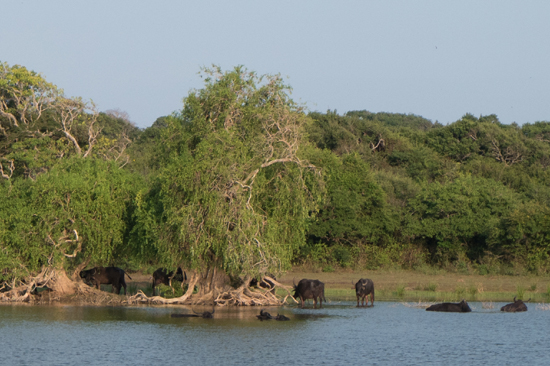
point(408, 286)
point(401, 285)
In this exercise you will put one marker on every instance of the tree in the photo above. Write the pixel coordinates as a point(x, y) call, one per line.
point(64, 198)
point(355, 209)
point(51, 227)
point(237, 193)
point(39, 126)
point(456, 219)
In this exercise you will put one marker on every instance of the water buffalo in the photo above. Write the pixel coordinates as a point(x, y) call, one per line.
point(514, 307)
point(281, 317)
point(204, 314)
point(264, 283)
point(264, 315)
point(162, 275)
point(363, 288)
point(106, 276)
point(461, 307)
point(310, 289)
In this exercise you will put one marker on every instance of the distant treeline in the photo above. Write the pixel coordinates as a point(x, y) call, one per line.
point(404, 190)
point(244, 180)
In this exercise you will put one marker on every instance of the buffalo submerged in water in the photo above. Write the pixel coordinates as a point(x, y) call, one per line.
point(450, 307)
point(514, 307)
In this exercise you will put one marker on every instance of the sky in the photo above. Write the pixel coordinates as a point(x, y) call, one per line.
point(436, 59)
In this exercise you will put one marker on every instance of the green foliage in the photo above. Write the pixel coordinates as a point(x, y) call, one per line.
point(459, 216)
point(460, 291)
point(400, 290)
point(39, 126)
point(235, 193)
point(355, 208)
point(430, 287)
point(342, 255)
point(520, 292)
point(243, 180)
point(146, 151)
point(79, 208)
point(524, 234)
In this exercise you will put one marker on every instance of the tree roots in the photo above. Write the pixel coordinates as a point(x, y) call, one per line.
point(221, 296)
point(50, 280)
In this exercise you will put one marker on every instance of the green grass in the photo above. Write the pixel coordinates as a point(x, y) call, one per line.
point(520, 292)
point(431, 287)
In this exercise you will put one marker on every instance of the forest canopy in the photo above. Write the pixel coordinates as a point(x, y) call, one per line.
point(244, 182)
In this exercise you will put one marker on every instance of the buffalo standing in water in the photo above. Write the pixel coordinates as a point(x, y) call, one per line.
point(461, 307)
point(363, 288)
point(310, 289)
point(514, 307)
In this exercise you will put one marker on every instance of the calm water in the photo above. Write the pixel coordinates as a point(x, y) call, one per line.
point(339, 334)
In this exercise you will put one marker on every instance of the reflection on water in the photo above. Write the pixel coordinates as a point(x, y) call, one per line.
point(387, 334)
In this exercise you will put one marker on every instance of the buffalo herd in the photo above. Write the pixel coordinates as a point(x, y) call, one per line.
point(463, 307)
point(304, 290)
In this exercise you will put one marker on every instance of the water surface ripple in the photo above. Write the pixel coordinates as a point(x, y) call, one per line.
point(339, 334)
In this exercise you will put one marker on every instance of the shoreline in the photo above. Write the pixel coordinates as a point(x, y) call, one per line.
point(390, 286)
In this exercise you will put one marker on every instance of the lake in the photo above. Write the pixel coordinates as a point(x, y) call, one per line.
point(339, 334)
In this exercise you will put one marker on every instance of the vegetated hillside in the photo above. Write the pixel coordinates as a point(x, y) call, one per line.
point(403, 190)
point(243, 183)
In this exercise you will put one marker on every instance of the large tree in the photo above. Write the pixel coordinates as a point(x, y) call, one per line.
point(237, 193)
point(63, 195)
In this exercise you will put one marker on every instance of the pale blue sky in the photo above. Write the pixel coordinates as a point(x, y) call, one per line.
point(438, 59)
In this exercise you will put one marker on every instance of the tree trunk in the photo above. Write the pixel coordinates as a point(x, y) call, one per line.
point(214, 289)
point(61, 284)
point(54, 279)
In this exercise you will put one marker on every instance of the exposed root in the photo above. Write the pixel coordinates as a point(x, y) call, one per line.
point(220, 296)
point(244, 296)
point(52, 279)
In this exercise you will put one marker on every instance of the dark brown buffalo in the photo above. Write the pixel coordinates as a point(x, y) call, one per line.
point(310, 289)
point(264, 315)
point(162, 275)
point(461, 307)
point(264, 283)
point(514, 307)
point(281, 317)
point(105, 276)
point(204, 314)
point(363, 288)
